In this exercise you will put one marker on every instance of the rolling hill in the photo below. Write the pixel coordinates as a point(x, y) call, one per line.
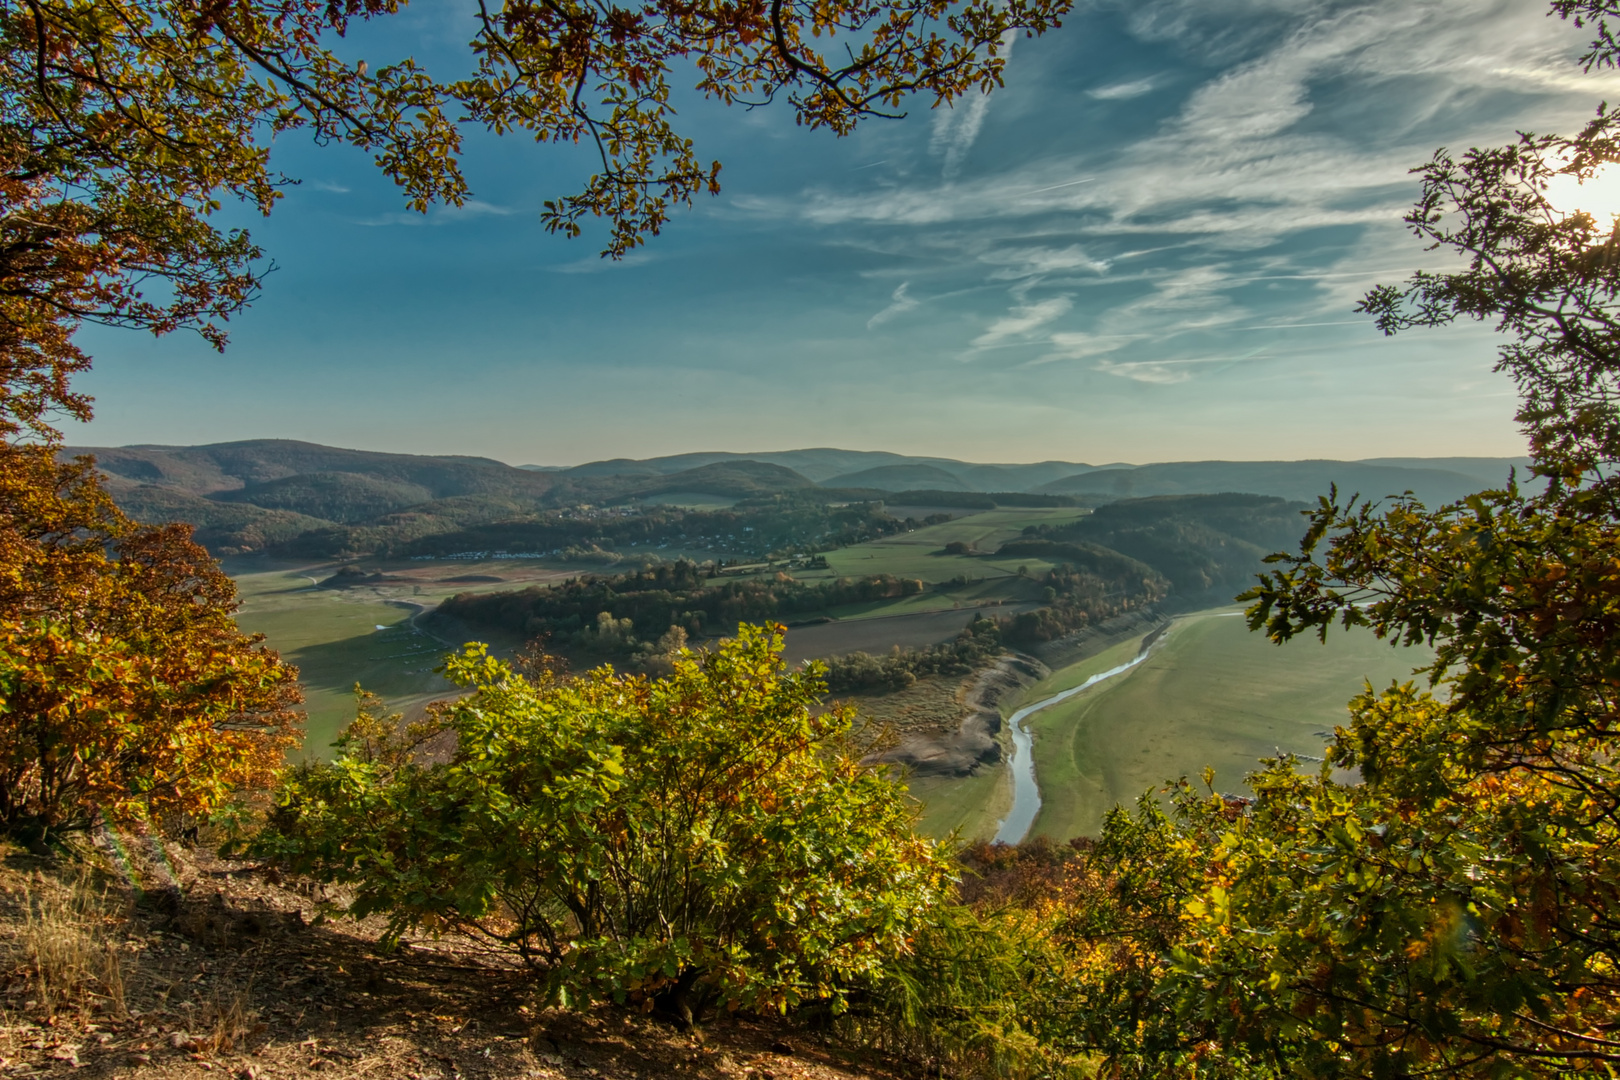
point(901, 478)
point(308, 499)
point(1301, 480)
point(1433, 479)
point(205, 470)
point(739, 479)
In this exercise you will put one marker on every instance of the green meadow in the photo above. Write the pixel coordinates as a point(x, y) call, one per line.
point(919, 554)
point(338, 638)
point(1211, 694)
point(970, 807)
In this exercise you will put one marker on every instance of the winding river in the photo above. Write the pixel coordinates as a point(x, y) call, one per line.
point(1026, 794)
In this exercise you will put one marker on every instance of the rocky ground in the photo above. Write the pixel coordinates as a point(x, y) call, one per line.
point(950, 727)
point(219, 969)
point(968, 742)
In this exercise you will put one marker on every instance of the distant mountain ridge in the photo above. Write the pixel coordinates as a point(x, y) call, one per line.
point(1431, 479)
point(1297, 480)
point(261, 493)
point(830, 467)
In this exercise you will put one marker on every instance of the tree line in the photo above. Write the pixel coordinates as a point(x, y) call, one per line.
point(675, 594)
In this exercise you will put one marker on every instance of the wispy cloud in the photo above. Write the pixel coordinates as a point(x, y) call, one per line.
point(899, 304)
point(1267, 201)
point(470, 210)
point(1124, 91)
point(1147, 371)
point(956, 130)
point(1028, 262)
point(1166, 371)
point(1080, 345)
point(1022, 320)
point(475, 208)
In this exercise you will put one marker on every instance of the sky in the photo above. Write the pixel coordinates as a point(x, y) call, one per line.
point(1148, 246)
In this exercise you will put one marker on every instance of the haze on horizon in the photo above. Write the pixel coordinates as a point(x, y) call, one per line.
point(1147, 247)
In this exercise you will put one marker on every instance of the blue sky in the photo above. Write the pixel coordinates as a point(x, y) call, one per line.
point(1147, 247)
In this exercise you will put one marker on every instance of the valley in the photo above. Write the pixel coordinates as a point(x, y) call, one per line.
point(910, 596)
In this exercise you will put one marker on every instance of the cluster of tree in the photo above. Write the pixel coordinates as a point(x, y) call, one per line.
point(709, 840)
point(751, 528)
point(1076, 598)
point(127, 694)
point(858, 672)
point(648, 602)
point(1202, 544)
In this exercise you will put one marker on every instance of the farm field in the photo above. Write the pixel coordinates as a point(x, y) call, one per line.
point(916, 554)
point(1210, 694)
point(363, 634)
point(337, 640)
point(333, 635)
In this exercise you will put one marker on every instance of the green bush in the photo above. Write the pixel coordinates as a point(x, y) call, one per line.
point(705, 839)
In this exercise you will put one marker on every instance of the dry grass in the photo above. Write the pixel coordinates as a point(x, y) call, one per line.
point(68, 949)
point(933, 705)
point(218, 971)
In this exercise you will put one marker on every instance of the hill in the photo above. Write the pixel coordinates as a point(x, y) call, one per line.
point(1433, 479)
point(833, 468)
point(1209, 547)
point(205, 470)
point(224, 528)
point(307, 500)
point(1284, 479)
point(739, 479)
point(901, 478)
point(335, 496)
point(1488, 471)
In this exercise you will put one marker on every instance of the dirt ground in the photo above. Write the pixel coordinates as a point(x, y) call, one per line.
point(223, 971)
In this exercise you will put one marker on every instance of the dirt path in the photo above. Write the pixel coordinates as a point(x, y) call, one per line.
point(415, 621)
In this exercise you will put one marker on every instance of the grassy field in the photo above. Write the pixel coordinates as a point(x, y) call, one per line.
point(1211, 694)
point(338, 637)
point(366, 633)
point(970, 807)
point(917, 554)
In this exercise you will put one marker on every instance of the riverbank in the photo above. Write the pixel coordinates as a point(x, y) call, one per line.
point(1209, 693)
point(973, 804)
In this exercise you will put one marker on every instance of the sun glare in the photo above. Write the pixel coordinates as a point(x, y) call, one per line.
point(1599, 196)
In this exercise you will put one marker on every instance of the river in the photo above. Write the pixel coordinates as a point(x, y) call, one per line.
point(1026, 793)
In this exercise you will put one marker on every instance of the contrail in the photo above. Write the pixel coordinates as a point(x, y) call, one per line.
point(1054, 187)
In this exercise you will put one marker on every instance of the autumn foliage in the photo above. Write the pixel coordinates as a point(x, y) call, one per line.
point(126, 691)
point(707, 839)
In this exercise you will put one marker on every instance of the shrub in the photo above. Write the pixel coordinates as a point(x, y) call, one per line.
point(126, 690)
point(702, 839)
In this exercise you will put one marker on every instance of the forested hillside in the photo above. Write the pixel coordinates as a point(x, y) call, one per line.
point(308, 501)
point(1203, 544)
point(1189, 550)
